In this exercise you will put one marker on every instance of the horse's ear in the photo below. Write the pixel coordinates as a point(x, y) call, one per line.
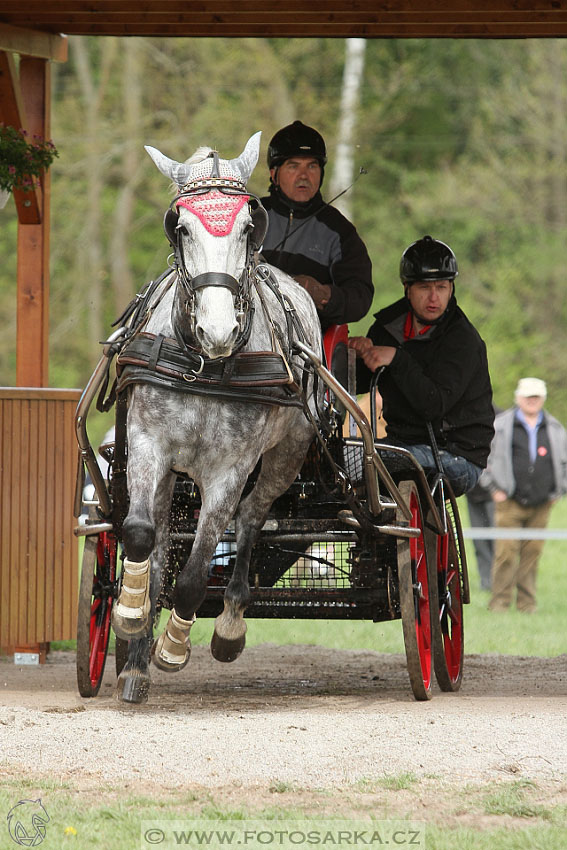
point(176, 171)
point(247, 160)
point(170, 221)
point(259, 223)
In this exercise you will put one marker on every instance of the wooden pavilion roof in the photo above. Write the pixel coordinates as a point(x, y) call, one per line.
point(292, 18)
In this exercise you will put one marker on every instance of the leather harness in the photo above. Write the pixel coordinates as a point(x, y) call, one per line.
point(249, 376)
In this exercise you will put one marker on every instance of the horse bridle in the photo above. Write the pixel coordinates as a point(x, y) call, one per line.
point(240, 289)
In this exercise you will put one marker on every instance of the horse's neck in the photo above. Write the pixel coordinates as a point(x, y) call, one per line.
point(161, 307)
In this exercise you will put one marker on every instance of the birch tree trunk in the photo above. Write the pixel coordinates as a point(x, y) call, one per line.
point(343, 171)
point(122, 282)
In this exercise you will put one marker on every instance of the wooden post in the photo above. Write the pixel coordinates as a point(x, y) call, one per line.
point(33, 240)
point(28, 565)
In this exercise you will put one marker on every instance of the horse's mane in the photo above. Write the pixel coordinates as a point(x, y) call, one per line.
point(199, 155)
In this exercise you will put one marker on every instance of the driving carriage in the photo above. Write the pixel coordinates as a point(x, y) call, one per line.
point(243, 477)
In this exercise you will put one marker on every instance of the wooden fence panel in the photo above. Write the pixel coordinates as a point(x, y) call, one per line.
point(38, 550)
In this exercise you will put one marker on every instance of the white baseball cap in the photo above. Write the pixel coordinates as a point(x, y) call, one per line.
point(531, 386)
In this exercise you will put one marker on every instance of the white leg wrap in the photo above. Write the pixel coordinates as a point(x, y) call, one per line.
point(174, 646)
point(134, 601)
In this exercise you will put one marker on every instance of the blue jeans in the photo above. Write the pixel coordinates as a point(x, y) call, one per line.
point(462, 473)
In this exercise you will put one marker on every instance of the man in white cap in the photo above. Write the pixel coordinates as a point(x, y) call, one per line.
point(526, 473)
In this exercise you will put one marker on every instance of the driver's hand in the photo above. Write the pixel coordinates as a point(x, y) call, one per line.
point(361, 344)
point(319, 292)
point(374, 356)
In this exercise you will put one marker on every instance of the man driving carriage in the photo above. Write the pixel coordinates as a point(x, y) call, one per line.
point(433, 366)
point(309, 239)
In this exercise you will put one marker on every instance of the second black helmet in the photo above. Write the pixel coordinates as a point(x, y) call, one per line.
point(296, 139)
point(428, 259)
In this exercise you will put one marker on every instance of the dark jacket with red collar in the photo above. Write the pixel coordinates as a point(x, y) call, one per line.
point(327, 247)
point(439, 376)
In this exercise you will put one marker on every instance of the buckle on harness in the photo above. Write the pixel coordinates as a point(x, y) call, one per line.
point(193, 377)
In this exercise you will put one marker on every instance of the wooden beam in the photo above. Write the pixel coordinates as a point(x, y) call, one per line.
point(33, 241)
point(324, 29)
point(12, 112)
point(295, 18)
point(306, 15)
point(31, 42)
point(106, 9)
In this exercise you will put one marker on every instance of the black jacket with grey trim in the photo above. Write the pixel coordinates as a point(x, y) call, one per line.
point(327, 247)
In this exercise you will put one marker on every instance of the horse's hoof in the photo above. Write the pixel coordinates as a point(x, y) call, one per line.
point(227, 650)
point(133, 687)
point(172, 650)
point(229, 636)
point(127, 626)
point(131, 614)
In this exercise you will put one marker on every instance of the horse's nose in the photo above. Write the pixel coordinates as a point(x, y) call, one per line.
point(216, 344)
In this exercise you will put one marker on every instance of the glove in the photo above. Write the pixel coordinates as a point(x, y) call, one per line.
point(319, 292)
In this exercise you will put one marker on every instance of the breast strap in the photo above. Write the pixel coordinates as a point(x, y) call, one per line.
point(160, 361)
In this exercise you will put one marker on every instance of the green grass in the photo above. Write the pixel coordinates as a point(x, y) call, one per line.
point(511, 800)
point(510, 633)
point(532, 838)
point(102, 818)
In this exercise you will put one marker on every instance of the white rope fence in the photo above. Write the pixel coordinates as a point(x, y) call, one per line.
point(479, 533)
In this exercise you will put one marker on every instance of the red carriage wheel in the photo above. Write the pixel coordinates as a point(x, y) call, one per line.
point(447, 594)
point(414, 598)
point(96, 595)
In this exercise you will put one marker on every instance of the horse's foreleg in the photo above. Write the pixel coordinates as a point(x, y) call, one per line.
point(172, 649)
point(229, 636)
point(280, 466)
point(134, 680)
point(150, 484)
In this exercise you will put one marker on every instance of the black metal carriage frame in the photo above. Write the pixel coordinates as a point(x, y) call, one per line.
point(362, 534)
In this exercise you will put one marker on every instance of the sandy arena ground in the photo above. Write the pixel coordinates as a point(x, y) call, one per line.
point(301, 715)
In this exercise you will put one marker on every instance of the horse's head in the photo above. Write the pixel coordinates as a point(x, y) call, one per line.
point(214, 227)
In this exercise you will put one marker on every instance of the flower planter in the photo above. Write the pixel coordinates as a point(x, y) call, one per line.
point(22, 161)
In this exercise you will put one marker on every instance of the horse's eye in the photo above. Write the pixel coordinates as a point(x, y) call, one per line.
point(182, 230)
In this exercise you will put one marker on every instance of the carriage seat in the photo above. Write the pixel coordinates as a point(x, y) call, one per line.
point(335, 348)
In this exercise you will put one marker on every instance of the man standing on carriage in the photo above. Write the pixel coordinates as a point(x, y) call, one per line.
point(309, 239)
point(434, 368)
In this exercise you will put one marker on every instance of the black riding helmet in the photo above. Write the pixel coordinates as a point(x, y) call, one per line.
point(297, 139)
point(428, 259)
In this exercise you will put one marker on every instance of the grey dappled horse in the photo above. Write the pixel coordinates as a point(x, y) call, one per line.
point(205, 303)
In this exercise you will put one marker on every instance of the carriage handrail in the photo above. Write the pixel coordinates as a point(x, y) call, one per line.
point(359, 417)
point(87, 455)
point(425, 488)
point(372, 463)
